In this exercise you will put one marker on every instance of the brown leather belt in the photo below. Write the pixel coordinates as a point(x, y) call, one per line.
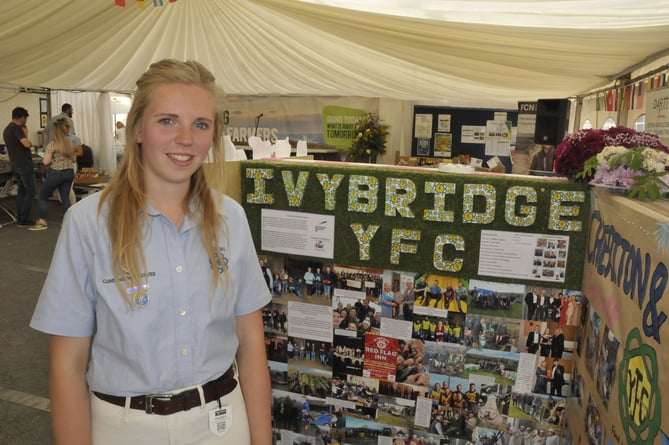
point(165, 404)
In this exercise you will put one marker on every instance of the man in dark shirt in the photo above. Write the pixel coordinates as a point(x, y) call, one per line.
point(19, 149)
point(543, 159)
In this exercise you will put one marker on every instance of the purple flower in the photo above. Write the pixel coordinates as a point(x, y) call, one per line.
point(624, 176)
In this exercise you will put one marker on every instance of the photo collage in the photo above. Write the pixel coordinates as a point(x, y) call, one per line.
point(365, 356)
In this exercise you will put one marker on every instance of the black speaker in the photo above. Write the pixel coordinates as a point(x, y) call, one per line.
point(552, 121)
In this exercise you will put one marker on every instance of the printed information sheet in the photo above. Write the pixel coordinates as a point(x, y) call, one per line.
point(298, 233)
point(523, 255)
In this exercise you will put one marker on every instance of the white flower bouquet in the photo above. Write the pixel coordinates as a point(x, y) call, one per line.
point(643, 171)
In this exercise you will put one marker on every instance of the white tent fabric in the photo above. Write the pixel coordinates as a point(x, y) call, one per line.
point(461, 53)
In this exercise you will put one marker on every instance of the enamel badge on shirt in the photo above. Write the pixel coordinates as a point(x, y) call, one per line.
point(220, 420)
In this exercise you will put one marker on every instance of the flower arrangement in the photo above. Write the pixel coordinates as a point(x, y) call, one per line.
point(641, 170)
point(576, 148)
point(370, 139)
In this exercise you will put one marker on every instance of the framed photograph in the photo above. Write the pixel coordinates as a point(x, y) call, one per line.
point(43, 112)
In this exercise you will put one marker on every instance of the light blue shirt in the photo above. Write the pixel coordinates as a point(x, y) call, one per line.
point(184, 335)
point(386, 302)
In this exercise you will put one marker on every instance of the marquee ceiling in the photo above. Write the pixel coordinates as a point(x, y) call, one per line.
point(462, 53)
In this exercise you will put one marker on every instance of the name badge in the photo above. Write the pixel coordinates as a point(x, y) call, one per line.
point(220, 420)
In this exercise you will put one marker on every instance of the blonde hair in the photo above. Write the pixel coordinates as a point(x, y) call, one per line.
point(125, 192)
point(63, 145)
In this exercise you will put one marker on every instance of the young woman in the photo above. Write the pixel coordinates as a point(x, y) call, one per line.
point(60, 155)
point(154, 296)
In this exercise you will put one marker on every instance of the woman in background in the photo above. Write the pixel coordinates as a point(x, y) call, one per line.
point(545, 343)
point(60, 155)
point(153, 299)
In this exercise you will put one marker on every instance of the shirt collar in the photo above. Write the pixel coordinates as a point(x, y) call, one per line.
point(191, 219)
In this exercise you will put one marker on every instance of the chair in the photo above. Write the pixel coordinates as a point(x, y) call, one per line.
point(261, 149)
point(232, 153)
point(301, 148)
point(282, 148)
point(5, 191)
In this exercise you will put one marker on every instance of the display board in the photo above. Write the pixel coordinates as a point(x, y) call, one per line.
point(657, 120)
point(447, 132)
point(622, 353)
point(412, 306)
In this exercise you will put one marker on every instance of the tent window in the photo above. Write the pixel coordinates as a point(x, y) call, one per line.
point(610, 122)
point(640, 123)
point(587, 125)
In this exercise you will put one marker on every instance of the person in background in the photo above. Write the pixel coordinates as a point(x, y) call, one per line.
point(147, 277)
point(409, 299)
point(557, 345)
point(387, 301)
point(309, 278)
point(19, 149)
point(329, 279)
point(533, 340)
point(66, 113)
point(545, 343)
point(543, 159)
point(557, 376)
point(119, 135)
point(60, 156)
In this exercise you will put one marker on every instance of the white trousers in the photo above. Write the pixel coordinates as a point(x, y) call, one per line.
point(114, 425)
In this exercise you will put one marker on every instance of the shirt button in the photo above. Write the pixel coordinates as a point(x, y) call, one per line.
point(180, 268)
point(182, 312)
point(184, 351)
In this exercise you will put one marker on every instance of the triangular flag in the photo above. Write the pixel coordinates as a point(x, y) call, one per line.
point(157, 2)
point(609, 100)
point(626, 102)
point(141, 4)
point(632, 96)
point(641, 94)
point(120, 3)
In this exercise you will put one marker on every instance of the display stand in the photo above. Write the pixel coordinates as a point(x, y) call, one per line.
point(622, 354)
point(405, 300)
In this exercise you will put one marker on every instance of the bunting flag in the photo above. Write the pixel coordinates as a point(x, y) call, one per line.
point(598, 102)
point(609, 100)
point(628, 100)
point(142, 3)
point(640, 94)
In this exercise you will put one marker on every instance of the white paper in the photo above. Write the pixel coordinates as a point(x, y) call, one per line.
point(396, 328)
point(310, 321)
point(523, 255)
point(298, 233)
point(423, 412)
point(423, 126)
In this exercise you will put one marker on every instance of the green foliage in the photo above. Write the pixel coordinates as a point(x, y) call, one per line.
point(370, 138)
point(346, 245)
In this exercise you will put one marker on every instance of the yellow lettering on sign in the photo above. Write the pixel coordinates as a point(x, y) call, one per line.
point(638, 390)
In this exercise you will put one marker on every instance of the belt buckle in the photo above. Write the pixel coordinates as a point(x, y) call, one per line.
point(148, 401)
